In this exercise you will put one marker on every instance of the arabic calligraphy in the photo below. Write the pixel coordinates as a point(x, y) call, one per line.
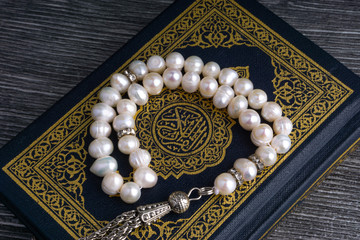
point(182, 129)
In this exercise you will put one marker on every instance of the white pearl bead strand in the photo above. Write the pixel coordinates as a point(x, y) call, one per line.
point(223, 85)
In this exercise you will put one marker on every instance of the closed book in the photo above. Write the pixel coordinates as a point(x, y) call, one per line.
point(45, 175)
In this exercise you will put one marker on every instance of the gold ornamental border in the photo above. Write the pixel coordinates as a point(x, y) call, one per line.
point(66, 207)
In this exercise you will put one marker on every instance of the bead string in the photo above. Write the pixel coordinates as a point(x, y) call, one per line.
point(223, 85)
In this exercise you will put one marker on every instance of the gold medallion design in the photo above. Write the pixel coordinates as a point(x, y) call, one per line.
point(184, 132)
point(181, 129)
point(307, 93)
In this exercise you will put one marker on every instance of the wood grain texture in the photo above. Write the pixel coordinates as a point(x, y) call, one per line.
point(47, 47)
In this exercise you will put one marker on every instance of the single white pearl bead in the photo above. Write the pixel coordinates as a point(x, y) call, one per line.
point(103, 166)
point(257, 98)
point(190, 82)
point(224, 94)
point(103, 112)
point(271, 111)
point(193, 64)
point(208, 87)
point(110, 96)
point(236, 105)
point(156, 64)
point(261, 134)
point(130, 192)
point(153, 83)
point(145, 177)
point(249, 119)
point(267, 155)
point(101, 147)
point(172, 78)
point(139, 158)
point(138, 94)
point(225, 184)
point(228, 76)
point(138, 68)
point(281, 143)
point(112, 183)
point(211, 69)
point(283, 125)
point(120, 82)
point(126, 106)
point(127, 144)
point(123, 121)
point(243, 86)
point(247, 168)
point(175, 60)
point(100, 129)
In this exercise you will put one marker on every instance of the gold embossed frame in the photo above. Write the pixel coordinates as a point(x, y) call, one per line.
point(51, 169)
point(184, 133)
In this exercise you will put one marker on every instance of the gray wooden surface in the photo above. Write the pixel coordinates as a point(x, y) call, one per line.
point(47, 47)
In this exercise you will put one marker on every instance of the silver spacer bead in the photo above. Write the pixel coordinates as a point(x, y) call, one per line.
point(179, 202)
point(237, 176)
point(126, 131)
point(130, 76)
point(255, 159)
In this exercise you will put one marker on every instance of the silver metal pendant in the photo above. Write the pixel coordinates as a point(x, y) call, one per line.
point(124, 224)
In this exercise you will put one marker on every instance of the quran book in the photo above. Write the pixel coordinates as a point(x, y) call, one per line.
point(45, 177)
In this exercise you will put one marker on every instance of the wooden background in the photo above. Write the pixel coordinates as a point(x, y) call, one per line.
point(47, 47)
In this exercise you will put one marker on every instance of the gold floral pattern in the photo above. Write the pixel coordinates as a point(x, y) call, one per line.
point(215, 32)
point(243, 72)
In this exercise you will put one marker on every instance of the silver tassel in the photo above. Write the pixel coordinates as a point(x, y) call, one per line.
point(124, 224)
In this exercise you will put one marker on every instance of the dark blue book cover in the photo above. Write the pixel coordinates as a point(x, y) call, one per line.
point(45, 175)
